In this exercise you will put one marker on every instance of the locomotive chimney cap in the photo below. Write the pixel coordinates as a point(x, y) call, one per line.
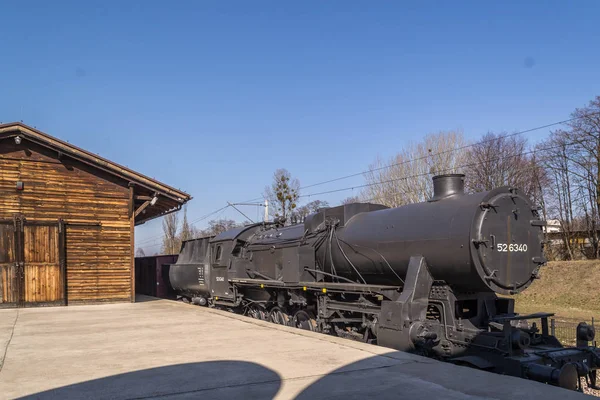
point(447, 185)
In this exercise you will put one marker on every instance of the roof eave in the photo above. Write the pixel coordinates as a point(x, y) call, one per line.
point(96, 161)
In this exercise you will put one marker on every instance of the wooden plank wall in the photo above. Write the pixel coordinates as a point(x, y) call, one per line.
point(99, 258)
point(8, 271)
point(43, 275)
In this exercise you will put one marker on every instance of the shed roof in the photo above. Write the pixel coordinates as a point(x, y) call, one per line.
point(168, 200)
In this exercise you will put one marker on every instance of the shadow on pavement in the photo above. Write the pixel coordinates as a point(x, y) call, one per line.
point(208, 380)
point(379, 377)
point(425, 379)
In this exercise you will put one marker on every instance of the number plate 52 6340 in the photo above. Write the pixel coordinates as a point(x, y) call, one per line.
point(512, 247)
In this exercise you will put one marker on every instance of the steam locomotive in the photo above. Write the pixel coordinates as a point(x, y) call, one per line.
point(432, 278)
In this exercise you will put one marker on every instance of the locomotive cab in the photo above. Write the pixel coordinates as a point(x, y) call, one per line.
point(219, 262)
point(226, 261)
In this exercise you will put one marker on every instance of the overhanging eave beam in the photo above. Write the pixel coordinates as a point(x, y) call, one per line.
point(141, 208)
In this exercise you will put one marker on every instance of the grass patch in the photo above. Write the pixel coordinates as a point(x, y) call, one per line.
point(570, 289)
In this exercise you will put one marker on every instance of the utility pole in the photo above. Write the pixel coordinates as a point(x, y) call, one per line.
point(266, 210)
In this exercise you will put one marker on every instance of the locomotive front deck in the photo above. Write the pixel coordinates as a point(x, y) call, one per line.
point(164, 349)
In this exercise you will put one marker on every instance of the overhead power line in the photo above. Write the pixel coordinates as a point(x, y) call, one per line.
point(151, 239)
point(390, 166)
point(441, 153)
point(475, 164)
point(437, 172)
point(445, 151)
point(386, 196)
point(156, 240)
point(412, 177)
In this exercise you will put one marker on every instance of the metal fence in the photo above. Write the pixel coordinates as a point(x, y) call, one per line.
point(565, 329)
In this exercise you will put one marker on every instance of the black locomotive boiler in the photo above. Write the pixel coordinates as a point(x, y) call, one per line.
point(427, 278)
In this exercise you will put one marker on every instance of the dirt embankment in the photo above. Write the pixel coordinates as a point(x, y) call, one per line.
point(570, 289)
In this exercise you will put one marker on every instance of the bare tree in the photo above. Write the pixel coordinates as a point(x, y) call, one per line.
point(406, 177)
point(311, 207)
point(350, 200)
point(218, 226)
point(503, 160)
point(283, 194)
point(140, 252)
point(171, 241)
point(585, 131)
point(560, 191)
point(187, 231)
point(572, 159)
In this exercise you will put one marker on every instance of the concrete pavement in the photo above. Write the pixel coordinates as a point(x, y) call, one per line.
point(161, 349)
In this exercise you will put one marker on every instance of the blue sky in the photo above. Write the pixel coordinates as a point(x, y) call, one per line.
point(212, 97)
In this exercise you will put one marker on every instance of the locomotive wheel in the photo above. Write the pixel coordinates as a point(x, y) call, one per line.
point(285, 319)
point(253, 312)
point(278, 317)
point(257, 313)
point(304, 320)
point(274, 315)
point(367, 336)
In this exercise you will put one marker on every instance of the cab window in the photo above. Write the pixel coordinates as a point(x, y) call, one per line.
point(218, 253)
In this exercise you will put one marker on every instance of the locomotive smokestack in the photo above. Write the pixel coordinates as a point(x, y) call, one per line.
point(447, 185)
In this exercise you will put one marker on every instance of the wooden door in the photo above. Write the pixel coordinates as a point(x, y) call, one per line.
point(9, 266)
point(44, 272)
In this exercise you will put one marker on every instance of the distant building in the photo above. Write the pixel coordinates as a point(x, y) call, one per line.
point(552, 226)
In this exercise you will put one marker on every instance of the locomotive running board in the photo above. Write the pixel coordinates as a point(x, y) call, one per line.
point(318, 286)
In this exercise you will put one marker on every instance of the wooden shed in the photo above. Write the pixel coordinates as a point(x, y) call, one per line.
point(67, 219)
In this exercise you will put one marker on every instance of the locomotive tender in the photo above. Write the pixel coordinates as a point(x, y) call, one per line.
point(422, 278)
